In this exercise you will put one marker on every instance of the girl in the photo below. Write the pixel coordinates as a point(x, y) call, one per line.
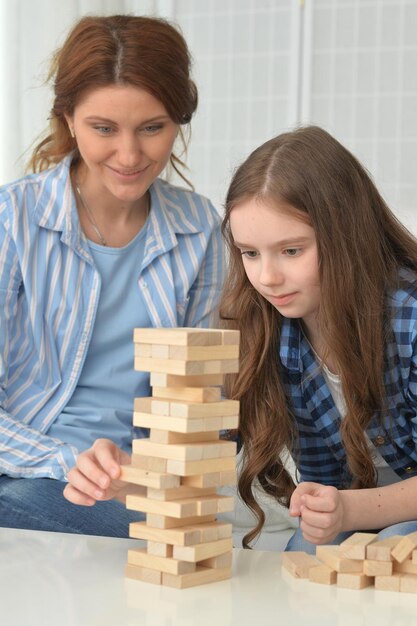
point(94, 244)
point(322, 285)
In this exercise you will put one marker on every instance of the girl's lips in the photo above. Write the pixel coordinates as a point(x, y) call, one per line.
point(282, 300)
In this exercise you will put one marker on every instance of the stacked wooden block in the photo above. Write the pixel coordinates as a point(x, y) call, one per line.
point(183, 461)
point(360, 561)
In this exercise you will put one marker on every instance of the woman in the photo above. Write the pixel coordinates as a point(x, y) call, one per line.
point(94, 244)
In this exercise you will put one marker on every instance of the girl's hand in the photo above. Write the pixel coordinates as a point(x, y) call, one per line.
point(95, 476)
point(321, 511)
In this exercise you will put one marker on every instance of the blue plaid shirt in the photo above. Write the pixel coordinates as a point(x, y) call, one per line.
point(320, 456)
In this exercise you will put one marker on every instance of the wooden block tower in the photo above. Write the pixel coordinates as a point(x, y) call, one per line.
point(183, 461)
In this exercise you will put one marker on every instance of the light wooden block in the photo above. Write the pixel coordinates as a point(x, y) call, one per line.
point(388, 583)
point(202, 551)
point(208, 466)
point(354, 547)
point(220, 561)
point(175, 408)
point(186, 451)
point(406, 567)
point(185, 425)
point(214, 479)
point(189, 394)
point(163, 521)
point(160, 549)
point(204, 353)
point(168, 437)
point(138, 476)
point(408, 583)
point(323, 575)
point(171, 566)
point(185, 368)
point(201, 576)
point(179, 336)
point(188, 507)
point(230, 337)
point(351, 580)
point(184, 536)
point(143, 574)
point(381, 550)
point(331, 556)
point(179, 493)
point(160, 379)
point(377, 568)
point(298, 564)
point(151, 463)
point(405, 547)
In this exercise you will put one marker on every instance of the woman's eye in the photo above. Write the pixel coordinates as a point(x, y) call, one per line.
point(103, 130)
point(249, 254)
point(150, 130)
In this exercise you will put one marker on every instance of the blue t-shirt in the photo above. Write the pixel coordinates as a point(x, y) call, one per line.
point(102, 403)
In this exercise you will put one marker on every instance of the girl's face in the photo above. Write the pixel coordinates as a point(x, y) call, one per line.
point(279, 254)
point(125, 137)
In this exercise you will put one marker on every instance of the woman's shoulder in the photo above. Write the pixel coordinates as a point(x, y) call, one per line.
point(186, 202)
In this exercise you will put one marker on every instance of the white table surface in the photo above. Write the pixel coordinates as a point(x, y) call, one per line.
point(75, 580)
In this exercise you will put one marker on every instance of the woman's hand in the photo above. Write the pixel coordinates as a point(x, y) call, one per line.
point(321, 511)
point(95, 476)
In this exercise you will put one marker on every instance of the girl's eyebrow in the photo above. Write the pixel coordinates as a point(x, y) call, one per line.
point(282, 242)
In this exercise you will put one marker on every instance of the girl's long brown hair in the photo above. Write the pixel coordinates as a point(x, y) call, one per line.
point(361, 246)
point(144, 52)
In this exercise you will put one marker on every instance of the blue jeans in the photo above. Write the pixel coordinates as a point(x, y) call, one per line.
point(38, 504)
point(298, 543)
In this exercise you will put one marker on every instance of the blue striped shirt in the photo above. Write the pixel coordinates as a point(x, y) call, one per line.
point(320, 456)
point(49, 293)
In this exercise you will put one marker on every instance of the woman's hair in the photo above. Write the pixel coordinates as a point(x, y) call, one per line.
point(361, 246)
point(144, 52)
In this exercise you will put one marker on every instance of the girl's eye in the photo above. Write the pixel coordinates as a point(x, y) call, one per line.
point(292, 251)
point(249, 254)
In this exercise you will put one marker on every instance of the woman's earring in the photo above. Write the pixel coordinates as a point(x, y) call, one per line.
point(71, 130)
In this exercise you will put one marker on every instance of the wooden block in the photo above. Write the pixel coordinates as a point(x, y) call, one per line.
point(163, 521)
point(183, 536)
point(188, 507)
point(141, 558)
point(179, 493)
point(160, 379)
point(354, 547)
point(151, 463)
point(185, 425)
point(408, 583)
point(202, 551)
point(158, 548)
point(220, 561)
point(185, 368)
point(231, 337)
point(168, 437)
point(322, 574)
point(298, 564)
point(201, 576)
point(406, 567)
point(208, 466)
point(377, 568)
point(214, 479)
point(204, 353)
point(351, 580)
point(143, 574)
point(138, 476)
point(189, 394)
point(177, 408)
point(331, 556)
point(186, 451)
point(178, 336)
point(405, 547)
point(388, 583)
point(381, 550)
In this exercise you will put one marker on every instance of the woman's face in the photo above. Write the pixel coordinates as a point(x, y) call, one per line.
point(125, 138)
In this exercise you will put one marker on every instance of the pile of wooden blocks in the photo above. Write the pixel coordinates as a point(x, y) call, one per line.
point(360, 561)
point(183, 461)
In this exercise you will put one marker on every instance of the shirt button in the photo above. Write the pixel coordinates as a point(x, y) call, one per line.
point(410, 469)
point(379, 441)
